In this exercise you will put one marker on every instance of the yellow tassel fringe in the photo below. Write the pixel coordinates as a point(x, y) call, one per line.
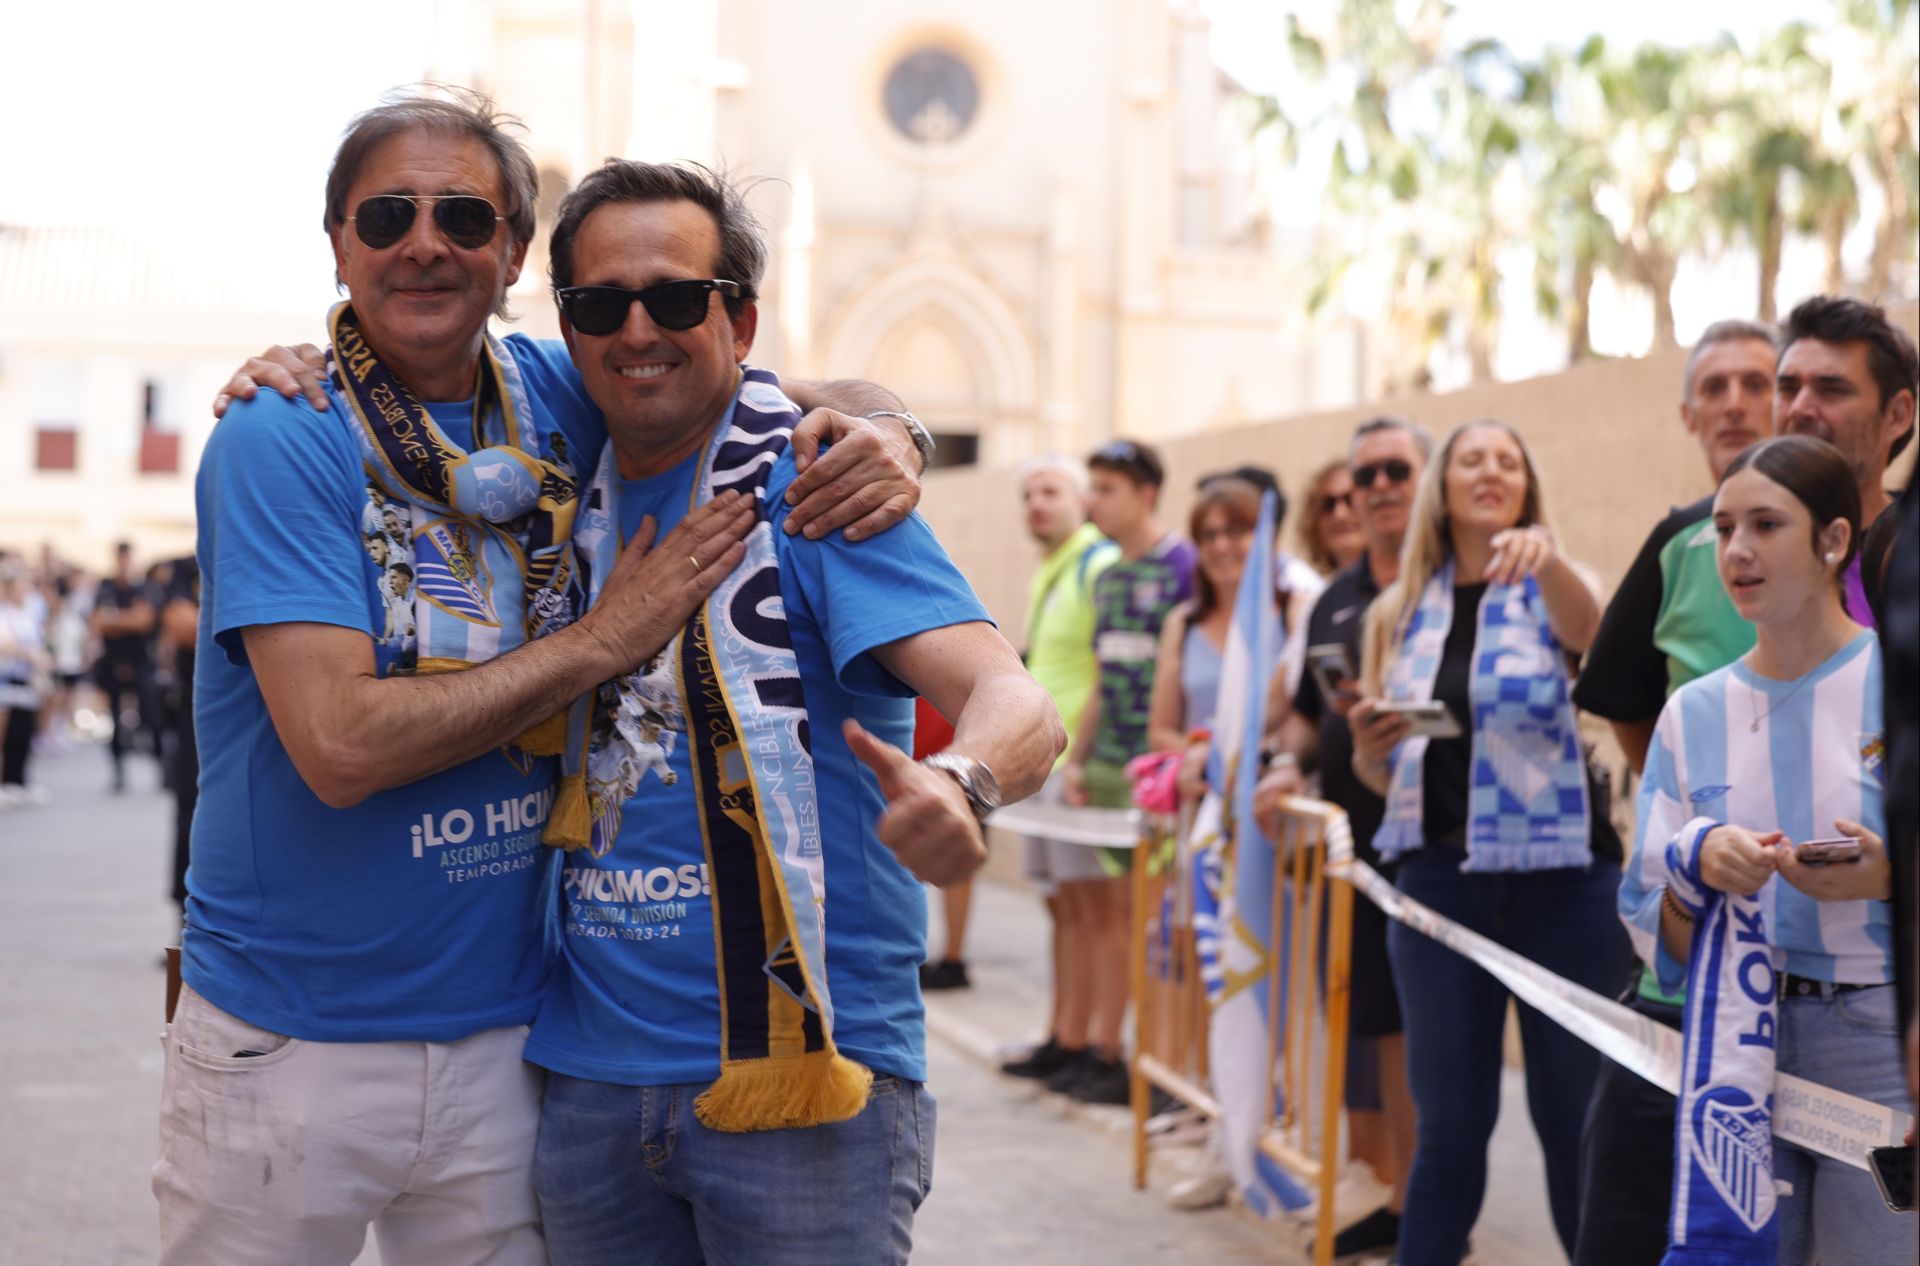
point(784, 1092)
point(570, 823)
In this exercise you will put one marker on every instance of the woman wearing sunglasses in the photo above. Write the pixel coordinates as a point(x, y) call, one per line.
point(1329, 532)
point(1492, 812)
point(1753, 771)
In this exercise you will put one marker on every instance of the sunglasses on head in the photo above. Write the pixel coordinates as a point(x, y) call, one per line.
point(467, 220)
point(671, 305)
point(1396, 471)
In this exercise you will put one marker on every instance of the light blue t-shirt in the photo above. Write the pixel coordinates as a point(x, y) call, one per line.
point(1792, 756)
point(634, 998)
point(423, 913)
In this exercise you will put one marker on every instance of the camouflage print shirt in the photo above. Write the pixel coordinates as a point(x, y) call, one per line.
point(1131, 600)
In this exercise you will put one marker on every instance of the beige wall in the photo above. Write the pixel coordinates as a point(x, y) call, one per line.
point(1606, 436)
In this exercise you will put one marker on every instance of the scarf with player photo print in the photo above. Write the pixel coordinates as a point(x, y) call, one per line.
point(475, 547)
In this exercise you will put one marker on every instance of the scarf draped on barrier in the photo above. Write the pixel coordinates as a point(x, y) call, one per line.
point(732, 680)
point(1233, 879)
point(1723, 1190)
point(492, 558)
point(1527, 787)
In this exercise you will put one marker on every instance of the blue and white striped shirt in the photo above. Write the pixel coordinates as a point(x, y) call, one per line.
point(1735, 747)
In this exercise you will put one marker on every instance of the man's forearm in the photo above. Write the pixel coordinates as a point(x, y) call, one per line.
point(1010, 723)
point(365, 734)
point(854, 396)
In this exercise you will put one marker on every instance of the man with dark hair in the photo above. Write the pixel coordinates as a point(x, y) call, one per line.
point(124, 619)
point(1387, 455)
point(1848, 375)
point(734, 1035)
point(1131, 600)
point(369, 900)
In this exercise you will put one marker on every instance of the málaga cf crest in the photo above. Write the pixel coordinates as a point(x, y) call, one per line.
point(1733, 1142)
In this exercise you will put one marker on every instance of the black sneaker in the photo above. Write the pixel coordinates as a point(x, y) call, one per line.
point(1105, 1081)
point(948, 973)
point(1078, 1064)
point(1379, 1229)
point(1042, 1061)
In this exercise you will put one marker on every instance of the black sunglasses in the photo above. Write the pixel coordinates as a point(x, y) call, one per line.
point(1396, 471)
point(1328, 501)
point(467, 220)
point(671, 305)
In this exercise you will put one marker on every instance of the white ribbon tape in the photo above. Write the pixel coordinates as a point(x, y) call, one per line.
point(1818, 1118)
point(1105, 828)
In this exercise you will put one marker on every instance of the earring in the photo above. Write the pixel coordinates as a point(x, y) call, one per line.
point(1832, 559)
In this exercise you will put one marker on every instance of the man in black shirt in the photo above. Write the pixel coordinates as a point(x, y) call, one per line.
point(1386, 458)
point(123, 619)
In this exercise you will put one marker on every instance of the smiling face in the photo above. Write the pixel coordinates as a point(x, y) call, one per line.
point(1224, 543)
point(1771, 560)
point(1729, 404)
point(1826, 390)
point(1338, 528)
point(662, 390)
point(423, 299)
point(1382, 506)
point(1486, 480)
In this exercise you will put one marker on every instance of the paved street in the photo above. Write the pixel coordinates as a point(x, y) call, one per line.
point(1019, 1177)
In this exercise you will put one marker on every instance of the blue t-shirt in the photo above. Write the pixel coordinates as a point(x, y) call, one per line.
point(634, 998)
point(423, 913)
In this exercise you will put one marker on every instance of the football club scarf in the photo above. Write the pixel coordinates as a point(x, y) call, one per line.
point(1233, 879)
point(733, 676)
point(1723, 1187)
point(1527, 780)
point(492, 554)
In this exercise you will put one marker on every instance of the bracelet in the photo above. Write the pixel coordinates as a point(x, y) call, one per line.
point(1679, 911)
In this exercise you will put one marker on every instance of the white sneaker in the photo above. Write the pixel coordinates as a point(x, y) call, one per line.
point(1205, 1190)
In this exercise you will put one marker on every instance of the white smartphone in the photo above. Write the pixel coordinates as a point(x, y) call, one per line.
point(1428, 718)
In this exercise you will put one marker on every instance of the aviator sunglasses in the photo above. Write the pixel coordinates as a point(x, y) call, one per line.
point(467, 220)
point(671, 305)
point(1396, 471)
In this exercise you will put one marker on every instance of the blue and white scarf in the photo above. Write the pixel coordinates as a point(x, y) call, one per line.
point(731, 682)
point(1527, 796)
point(1723, 1186)
point(475, 548)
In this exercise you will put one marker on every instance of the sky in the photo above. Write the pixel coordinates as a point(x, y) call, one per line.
point(212, 121)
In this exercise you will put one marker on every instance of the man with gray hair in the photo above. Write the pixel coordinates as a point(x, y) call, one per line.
point(1059, 653)
point(369, 900)
point(1669, 622)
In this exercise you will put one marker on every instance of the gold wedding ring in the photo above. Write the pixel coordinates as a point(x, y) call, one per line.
point(694, 561)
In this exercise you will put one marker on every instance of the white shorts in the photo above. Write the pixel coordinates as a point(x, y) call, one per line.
point(1051, 863)
point(286, 1157)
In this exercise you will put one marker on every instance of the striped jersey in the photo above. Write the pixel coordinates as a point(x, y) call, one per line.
point(1736, 748)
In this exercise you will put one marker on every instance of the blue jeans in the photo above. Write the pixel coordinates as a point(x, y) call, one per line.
point(1455, 1012)
point(627, 1174)
point(1835, 1213)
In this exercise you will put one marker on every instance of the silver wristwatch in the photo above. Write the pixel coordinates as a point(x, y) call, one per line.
point(976, 781)
point(916, 431)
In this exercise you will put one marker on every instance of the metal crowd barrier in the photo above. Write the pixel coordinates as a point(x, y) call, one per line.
point(1307, 1046)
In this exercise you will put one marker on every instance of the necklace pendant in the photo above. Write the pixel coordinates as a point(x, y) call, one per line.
point(1754, 728)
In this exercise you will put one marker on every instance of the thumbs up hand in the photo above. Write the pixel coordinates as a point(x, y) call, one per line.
point(928, 823)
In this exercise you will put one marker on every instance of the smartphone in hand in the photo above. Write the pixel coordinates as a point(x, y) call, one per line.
point(1842, 848)
point(1893, 1173)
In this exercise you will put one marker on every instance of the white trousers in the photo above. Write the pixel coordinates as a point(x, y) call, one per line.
point(284, 1157)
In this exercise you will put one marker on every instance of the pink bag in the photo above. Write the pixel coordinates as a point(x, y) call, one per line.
point(1153, 776)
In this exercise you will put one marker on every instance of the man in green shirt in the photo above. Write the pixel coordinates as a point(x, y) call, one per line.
point(1669, 622)
point(1059, 654)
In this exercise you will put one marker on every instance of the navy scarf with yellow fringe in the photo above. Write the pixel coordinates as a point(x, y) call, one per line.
point(488, 537)
point(739, 688)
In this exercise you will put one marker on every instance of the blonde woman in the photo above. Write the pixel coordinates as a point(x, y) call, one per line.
point(1499, 827)
point(1329, 532)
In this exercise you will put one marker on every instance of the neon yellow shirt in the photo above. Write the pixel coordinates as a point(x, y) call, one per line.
point(1060, 622)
